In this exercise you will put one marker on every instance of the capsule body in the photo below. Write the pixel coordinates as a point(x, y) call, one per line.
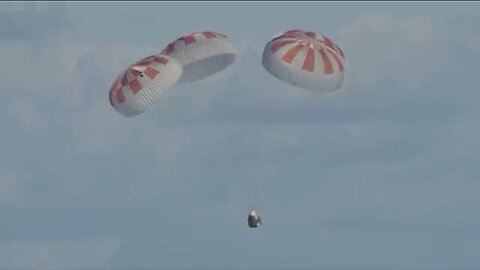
point(254, 220)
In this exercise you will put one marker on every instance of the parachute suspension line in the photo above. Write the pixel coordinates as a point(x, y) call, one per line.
point(262, 162)
point(162, 88)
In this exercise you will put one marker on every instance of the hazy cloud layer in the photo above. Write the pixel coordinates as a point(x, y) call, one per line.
point(89, 253)
point(380, 174)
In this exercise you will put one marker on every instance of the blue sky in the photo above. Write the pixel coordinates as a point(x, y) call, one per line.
point(382, 174)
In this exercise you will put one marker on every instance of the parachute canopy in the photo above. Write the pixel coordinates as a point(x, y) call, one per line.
point(143, 83)
point(302, 59)
point(201, 54)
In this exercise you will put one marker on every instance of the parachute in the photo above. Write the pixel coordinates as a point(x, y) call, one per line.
point(302, 59)
point(143, 83)
point(201, 54)
point(189, 58)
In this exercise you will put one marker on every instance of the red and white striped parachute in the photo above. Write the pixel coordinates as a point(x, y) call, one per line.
point(302, 59)
point(143, 83)
point(201, 54)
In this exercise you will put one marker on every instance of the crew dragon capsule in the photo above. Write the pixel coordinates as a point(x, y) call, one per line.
point(254, 220)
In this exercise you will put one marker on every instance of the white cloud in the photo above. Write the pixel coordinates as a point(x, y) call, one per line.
point(393, 55)
point(39, 69)
point(32, 21)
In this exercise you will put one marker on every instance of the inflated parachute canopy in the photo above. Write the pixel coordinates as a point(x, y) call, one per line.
point(201, 54)
point(305, 60)
point(143, 83)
